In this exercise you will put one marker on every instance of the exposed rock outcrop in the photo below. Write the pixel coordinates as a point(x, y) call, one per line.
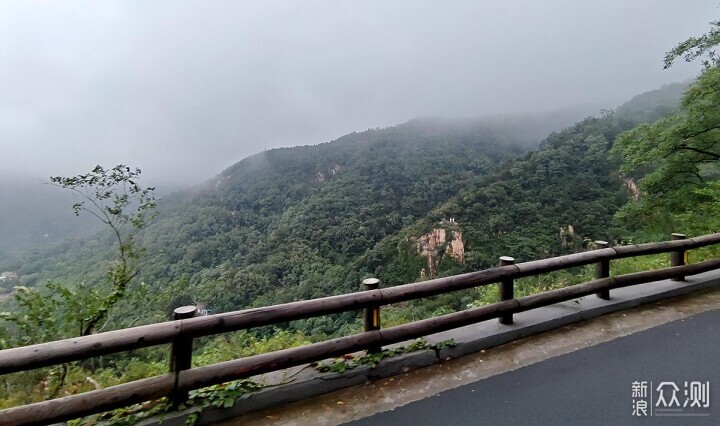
point(456, 248)
point(331, 174)
point(438, 243)
point(632, 186)
point(9, 276)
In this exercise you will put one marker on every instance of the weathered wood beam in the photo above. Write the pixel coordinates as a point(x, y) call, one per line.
point(85, 404)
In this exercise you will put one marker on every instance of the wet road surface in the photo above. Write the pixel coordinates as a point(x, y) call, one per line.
point(388, 394)
point(589, 386)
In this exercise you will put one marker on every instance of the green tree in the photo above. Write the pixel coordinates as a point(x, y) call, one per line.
point(696, 47)
point(677, 149)
point(676, 158)
point(115, 198)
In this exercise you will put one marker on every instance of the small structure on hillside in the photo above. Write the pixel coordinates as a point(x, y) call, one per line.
point(202, 309)
point(8, 276)
point(450, 221)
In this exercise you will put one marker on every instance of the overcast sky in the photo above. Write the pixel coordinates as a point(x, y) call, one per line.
point(184, 89)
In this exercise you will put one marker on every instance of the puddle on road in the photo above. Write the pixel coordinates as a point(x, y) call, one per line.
point(386, 394)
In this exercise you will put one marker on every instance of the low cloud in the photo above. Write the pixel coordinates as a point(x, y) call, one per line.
point(185, 89)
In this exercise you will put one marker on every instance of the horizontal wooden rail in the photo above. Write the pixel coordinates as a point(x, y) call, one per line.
point(79, 348)
point(75, 349)
point(75, 406)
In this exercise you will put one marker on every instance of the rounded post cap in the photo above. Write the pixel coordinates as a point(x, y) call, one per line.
point(371, 282)
point(601, 243)
point(184, 311)
point(507, 259)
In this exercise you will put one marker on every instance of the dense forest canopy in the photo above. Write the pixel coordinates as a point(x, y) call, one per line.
point(297, 223)
point(677, 162)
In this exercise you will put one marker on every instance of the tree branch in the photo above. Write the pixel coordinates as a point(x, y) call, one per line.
point(689, 136)
point(699, 151)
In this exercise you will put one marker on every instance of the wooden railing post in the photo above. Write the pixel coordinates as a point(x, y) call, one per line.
point(507, 291)
point(372, 313)
point(677, 258)
point(602, 270)
point(181, 353)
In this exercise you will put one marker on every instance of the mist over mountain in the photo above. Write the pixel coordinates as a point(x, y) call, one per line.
point(185, 90)
point(430, 197)
point(34, 214)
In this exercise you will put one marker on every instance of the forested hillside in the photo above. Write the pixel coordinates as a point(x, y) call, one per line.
point(552, 201)
point(297, 223)
point(35, 215)
point(278, 220)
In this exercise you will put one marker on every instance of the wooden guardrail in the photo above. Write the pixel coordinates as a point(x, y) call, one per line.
point(181, 332)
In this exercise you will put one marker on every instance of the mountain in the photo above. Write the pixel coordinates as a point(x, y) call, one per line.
point(34, 215)
point(288, 223)
point(303, 222)
point(553, 201)
point(649, 106)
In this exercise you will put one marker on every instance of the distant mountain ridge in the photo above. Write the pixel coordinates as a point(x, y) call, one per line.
point(34, 214)
point(552, 201)
point(303, 222)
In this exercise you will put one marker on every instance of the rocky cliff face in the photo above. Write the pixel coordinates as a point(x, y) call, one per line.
point(331, 174)
point(438, 243)
point(632, 186)
point(457, 248)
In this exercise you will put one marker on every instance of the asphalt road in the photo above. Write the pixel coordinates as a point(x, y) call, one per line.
point(591, 386)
